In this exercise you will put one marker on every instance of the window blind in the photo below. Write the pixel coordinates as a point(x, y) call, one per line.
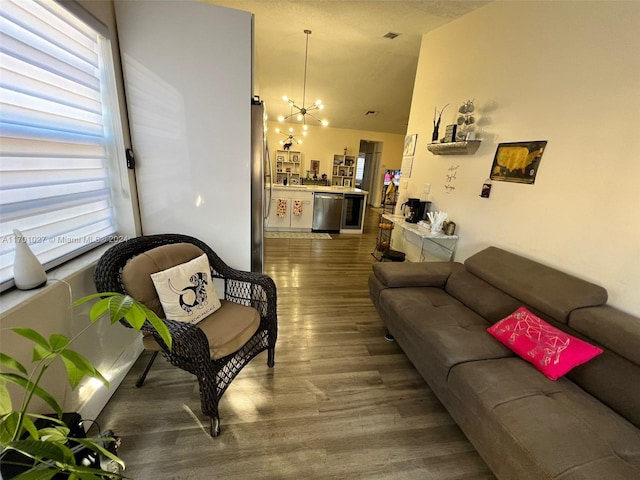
point(54, 139)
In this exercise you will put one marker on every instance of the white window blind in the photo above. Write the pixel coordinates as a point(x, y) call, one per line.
point(56, 131)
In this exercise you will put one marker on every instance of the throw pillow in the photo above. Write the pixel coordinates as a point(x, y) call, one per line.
point(186, 291)
point(550, 350)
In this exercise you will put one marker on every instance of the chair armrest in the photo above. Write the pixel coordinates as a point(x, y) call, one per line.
point(418, 274)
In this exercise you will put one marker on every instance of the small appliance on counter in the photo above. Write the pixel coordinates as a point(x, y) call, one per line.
point(415, 210)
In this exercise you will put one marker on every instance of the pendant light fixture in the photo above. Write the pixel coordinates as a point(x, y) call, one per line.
point(302, 112)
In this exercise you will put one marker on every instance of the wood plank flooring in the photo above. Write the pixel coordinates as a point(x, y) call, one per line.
point(340, 403)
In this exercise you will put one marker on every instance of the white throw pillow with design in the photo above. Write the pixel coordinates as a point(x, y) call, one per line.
point(186, 291)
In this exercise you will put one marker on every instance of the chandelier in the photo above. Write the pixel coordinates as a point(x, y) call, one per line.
point(290, 138)
point(303, 111)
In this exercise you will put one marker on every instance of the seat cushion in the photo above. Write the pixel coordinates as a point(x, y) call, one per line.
point(227, 329)
point(553, 429)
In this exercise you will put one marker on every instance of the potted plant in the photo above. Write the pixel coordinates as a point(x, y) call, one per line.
point(48, 451)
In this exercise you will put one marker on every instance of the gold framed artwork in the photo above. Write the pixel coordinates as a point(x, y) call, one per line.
point(517, 161)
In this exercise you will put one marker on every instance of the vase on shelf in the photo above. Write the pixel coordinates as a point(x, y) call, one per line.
point(28, 272)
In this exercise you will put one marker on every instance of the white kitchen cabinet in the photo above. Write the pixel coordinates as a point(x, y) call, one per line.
point(288, 220)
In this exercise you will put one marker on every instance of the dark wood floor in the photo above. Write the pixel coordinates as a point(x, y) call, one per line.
point(341, 402)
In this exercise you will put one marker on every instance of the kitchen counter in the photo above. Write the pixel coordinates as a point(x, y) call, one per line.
point(292, 207)
point(319, 189)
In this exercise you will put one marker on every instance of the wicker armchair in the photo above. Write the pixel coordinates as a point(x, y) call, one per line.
point(191, 347)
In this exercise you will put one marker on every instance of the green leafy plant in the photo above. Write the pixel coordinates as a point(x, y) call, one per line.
point(48, 451)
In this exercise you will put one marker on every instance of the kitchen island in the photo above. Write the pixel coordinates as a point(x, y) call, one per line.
point(292, 207)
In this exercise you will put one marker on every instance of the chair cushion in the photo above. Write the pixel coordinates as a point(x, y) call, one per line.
point(227, 329)
point(136, 274)
point(186, 291)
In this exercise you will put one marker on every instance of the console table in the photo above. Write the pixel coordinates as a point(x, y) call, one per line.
point(418, 243)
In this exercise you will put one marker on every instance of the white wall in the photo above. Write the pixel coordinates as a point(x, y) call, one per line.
point(566, 72)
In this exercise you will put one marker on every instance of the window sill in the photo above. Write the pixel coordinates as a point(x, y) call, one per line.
point(14, 298)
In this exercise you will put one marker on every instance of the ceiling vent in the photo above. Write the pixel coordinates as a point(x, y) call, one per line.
point(390, 35)
point(371, 112)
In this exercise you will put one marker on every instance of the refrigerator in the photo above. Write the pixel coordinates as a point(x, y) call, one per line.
point(187, 67)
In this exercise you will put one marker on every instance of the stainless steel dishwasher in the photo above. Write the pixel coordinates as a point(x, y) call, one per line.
point(327, 211)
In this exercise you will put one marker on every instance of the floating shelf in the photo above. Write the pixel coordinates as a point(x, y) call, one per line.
point(454, 148)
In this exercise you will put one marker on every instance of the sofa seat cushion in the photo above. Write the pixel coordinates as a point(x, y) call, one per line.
point(441, 330)
point(555, 429)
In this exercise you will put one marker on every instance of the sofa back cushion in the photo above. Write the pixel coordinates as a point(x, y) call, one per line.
point(546, 289)
point(481, 297)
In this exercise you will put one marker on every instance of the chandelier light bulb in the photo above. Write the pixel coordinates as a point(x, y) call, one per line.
point(291, 129)
point(277, 130)
point(281, 118)
point(285, 98)
point(299, 117)
point(318, 103)
point(324, 123)
point(304, 133)
point(304, 127)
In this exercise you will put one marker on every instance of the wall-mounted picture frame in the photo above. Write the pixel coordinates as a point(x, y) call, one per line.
point(280, 158)
point(410, 144)
point(517, 161)
point(346, 182)
point(315, 167)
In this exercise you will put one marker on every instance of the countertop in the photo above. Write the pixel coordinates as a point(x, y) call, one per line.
point(319, 188)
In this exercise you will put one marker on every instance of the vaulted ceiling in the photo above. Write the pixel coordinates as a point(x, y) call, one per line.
point(352, 67)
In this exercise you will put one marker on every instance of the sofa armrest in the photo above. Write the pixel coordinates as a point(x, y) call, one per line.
point(419, 274)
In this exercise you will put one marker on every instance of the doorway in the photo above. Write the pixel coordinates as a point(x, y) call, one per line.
point(369, 170)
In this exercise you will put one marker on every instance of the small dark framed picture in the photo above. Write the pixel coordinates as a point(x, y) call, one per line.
point(450, 133)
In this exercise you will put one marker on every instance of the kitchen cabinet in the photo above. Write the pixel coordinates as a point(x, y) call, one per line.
point(288, 165)
point(291, 210)
point(344, 171)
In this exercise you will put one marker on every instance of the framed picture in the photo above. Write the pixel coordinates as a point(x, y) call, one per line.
point(346, 182)
point(315, 167)
point(450, 133)
point(410, 144)
point(517, 161)
point(295, 158)
point(280, 158)
point(348, 162)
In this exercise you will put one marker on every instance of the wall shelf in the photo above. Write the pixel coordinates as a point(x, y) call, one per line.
point(468, 147)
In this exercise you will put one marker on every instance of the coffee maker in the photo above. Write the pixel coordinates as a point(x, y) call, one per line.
point(415, 210)
point(421, 212)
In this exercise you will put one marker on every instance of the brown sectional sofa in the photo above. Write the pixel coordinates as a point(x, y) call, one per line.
point(585, 425)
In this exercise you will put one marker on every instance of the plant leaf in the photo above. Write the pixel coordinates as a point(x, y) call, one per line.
point(8, 427)
point(96, 444)
point(43, 450)
point(40, 352)
point(58, 342)
point(135, 316)
point(91, 296)
point(12, 363)
point(157, 323)
point(28, 385)
point(30, 427)
point(119, 306)
point(32, 335)
point(5, 399)
point(78, 367)
point(98, 309)
point(57, 434)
